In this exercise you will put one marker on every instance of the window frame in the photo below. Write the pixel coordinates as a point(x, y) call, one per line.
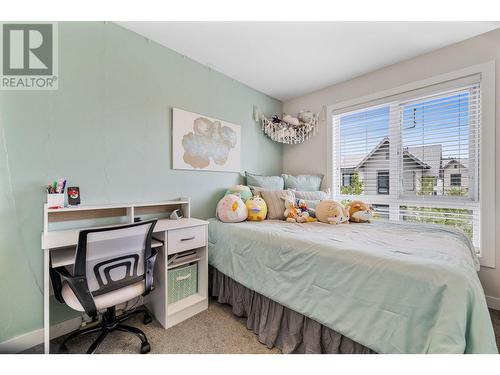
point(384, 173)
point(440, 83)
point(453, 176)
point(350, 174)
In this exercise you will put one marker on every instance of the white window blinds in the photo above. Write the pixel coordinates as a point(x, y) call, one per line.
point(416, 158)
point(440, 140)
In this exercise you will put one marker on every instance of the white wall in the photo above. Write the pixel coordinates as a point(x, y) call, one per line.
point(310, 157)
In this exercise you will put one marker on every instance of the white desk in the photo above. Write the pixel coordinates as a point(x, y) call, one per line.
point(171, 236)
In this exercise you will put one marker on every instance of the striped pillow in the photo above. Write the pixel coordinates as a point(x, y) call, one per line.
point(313, 195)
point(275, 200)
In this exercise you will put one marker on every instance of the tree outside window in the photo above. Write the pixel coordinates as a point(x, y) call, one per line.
point(356, 186)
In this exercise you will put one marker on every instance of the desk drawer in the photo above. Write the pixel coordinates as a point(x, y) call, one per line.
point(186, 239)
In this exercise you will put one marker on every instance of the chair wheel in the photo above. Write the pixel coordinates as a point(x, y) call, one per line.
point(147, 319)
point(145, 348)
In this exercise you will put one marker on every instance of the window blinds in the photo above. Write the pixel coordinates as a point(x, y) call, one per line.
point(439, 143)
point(415, 157)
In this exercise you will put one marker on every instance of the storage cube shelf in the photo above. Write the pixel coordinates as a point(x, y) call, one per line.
point(182, 282)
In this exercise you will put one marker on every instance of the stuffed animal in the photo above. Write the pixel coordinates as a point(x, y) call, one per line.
point(331, 212)
point(302, 204)
point(291, 120)
point(359, 212)
point(306, 117)
point(294, 214)
point(311, 213)
point(291, 211)
point(231, 209)
point(257, 208)
point(242, 190)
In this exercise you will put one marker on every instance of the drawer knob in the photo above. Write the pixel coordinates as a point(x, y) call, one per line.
point(188, 239)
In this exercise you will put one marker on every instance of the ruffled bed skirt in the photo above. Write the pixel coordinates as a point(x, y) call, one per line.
point(278, 326)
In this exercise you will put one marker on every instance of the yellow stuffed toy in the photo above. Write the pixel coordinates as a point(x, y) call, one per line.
point(331, 212)
point(257, 208)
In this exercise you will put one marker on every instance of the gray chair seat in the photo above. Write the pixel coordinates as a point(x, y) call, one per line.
point(104, 301)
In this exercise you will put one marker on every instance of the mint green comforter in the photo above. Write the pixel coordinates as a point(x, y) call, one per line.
point(393, 287)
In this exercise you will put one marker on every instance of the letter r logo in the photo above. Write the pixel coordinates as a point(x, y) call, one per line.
point(27, 49)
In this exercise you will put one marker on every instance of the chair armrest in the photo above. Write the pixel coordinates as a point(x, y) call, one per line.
point(79, 286)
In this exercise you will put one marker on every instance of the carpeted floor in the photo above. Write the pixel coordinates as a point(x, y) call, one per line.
point(215, 330)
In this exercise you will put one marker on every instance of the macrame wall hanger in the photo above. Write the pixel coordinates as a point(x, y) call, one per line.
point(289, 130)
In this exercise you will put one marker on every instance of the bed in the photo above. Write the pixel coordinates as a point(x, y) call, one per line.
point(381, 287)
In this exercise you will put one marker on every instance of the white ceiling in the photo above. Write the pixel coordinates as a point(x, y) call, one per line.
point(289, 59)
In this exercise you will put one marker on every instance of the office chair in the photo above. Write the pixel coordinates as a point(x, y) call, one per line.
point(112, 265)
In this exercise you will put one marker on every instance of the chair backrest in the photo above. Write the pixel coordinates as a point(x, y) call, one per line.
point(114, 257)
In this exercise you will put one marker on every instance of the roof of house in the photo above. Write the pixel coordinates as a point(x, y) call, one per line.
point(448, 162)
point(426, 157)
point(372, 152)
point(419, 162)
point(430, 155)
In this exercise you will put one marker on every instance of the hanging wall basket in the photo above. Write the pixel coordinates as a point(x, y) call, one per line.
point(305, 126)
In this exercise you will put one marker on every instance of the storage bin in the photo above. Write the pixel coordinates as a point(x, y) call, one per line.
point(182, 282)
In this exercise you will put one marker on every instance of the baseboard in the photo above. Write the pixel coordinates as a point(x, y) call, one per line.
point(493, 302)
point(30, 339)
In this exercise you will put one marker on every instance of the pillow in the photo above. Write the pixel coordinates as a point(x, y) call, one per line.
point(265, 182)
point(275, 200)
point(303, 182)
point(242, 190)
point(313, 195)
point(231, 209)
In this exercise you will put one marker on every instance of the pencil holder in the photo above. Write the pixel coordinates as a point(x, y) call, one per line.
point(55, 200)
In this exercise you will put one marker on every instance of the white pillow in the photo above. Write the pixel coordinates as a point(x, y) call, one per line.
point(313, 195)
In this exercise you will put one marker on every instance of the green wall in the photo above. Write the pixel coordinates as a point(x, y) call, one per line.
point(107, 129)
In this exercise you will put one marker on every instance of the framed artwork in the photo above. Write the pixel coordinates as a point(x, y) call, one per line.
point(204, 143)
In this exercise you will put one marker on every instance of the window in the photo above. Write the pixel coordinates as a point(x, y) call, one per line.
point(346, 179)
point(381, 211)
point(456, 179)
point(383, 182)
point(417, 156)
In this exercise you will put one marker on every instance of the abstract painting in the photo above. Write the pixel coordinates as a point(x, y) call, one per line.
point(204, 143)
